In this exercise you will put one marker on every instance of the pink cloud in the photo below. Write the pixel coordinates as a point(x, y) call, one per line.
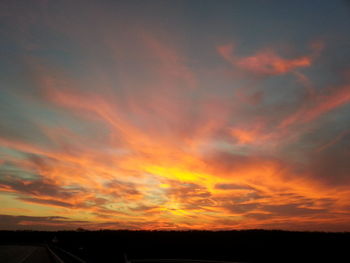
point(268, 62)
point(319, 105)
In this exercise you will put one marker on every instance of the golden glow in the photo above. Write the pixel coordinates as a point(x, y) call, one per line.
point(158, 154)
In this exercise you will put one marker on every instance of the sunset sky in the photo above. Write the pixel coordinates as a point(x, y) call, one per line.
point(175, 114)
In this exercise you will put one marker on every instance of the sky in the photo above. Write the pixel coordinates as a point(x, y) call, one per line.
point(175, 115)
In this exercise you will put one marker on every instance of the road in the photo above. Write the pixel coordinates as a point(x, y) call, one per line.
point(25, 254)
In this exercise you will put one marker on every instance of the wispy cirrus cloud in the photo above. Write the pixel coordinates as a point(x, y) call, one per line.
point(129, 126)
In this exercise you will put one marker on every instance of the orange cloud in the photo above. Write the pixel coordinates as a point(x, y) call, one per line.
point(152, 170)
point(268, 62)
point(318, 105)
point(244, 136)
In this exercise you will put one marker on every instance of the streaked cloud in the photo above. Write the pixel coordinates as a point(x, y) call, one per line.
point(111, 119)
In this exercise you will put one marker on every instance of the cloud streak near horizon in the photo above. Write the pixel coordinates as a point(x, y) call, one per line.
point(112, 117)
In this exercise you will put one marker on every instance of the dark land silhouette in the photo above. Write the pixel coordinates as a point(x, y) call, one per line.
point(235, 246)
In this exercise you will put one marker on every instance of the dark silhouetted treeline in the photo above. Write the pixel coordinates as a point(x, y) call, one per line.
point(244, 246)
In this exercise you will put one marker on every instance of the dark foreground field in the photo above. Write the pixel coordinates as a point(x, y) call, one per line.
point(135, 246)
